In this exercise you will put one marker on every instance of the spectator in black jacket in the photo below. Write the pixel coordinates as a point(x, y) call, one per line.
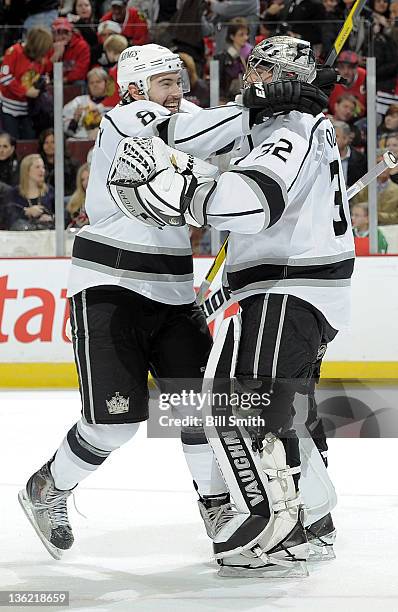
point(82, 17)
point(385, 49)
point(47, 152)
point(386, 53)
point(10, 14)
point(308, 14)
point(9, 167)
point(5, 191)
point(330, 26)
point(353, 163)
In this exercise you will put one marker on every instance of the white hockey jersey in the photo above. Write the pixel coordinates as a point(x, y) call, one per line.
point(117, 250)
point(290, 190)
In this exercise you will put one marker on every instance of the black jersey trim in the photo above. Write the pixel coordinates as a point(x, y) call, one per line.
point(315, 127)
point(225, 149)
point(271, 189)
point(115, 126)
point(131, 261)
point(269, 272)
point(239, 214)
point(209, 129)
point(163, 130)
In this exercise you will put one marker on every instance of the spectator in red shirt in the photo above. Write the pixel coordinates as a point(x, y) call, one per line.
point(134, 25)
point(70, 48)
point(347, 65)
point(23, 63)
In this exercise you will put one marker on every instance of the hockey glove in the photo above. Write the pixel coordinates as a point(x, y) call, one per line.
point(156, 184)
point(268, 99)
point(326, 79)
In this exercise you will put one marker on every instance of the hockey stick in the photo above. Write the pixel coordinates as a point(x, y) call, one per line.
point(222, 298)
point(338, 44)
point(212, 273)
point(389, 161)
point(345, 31)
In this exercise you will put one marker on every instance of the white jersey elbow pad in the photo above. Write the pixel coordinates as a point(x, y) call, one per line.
point(247, 200)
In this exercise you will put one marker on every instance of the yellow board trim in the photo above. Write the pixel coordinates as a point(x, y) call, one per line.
point(63, 375)
point(360, 370)
point(40, 375)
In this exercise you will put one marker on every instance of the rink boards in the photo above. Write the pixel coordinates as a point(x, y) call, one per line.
point(35, 351)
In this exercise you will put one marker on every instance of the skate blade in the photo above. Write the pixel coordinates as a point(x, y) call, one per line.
point(298, 570)
point(55, 552)
point(321, 549)
point(321, 553)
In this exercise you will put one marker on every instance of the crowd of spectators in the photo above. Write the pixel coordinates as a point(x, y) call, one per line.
point(88, 37)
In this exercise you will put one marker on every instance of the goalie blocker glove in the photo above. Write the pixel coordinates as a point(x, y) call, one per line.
point(268, 99)
point(158, 185)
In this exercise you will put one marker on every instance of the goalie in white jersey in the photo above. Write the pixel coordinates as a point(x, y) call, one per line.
point(289, 262)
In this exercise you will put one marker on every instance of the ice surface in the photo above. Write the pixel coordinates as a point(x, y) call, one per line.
point(143, 547)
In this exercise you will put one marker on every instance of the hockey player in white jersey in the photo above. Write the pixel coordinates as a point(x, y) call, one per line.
point(131, 289)
point(289, 263)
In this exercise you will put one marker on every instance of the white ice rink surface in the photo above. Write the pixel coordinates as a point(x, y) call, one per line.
point(143, 547)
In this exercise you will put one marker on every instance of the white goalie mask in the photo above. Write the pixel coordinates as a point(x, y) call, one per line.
point(285, 57)
point(138, 64)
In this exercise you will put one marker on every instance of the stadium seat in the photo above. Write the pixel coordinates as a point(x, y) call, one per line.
point(78, 148)
point(26, 147)
point(70, 92)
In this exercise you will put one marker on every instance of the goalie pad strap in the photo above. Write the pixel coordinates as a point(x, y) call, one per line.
point(282, 473)
point(287, 504)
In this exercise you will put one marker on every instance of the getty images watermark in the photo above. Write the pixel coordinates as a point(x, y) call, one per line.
point(346, 410)
point(176, 404)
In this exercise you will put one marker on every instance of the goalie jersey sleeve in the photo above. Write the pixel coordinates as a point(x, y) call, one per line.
point(286, 207)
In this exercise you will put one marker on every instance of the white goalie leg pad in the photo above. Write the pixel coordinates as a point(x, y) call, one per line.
point(285, 500)
point(317, 491)
point(240, 467)
point(261, 487)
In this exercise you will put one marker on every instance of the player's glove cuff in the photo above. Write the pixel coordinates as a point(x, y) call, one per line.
point(326, 79)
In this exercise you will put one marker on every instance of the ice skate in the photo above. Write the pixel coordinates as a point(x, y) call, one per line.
point(46, 508)
point(286, 560)
point(321, 536)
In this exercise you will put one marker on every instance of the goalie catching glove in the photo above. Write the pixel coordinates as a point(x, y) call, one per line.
point(158, 185)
